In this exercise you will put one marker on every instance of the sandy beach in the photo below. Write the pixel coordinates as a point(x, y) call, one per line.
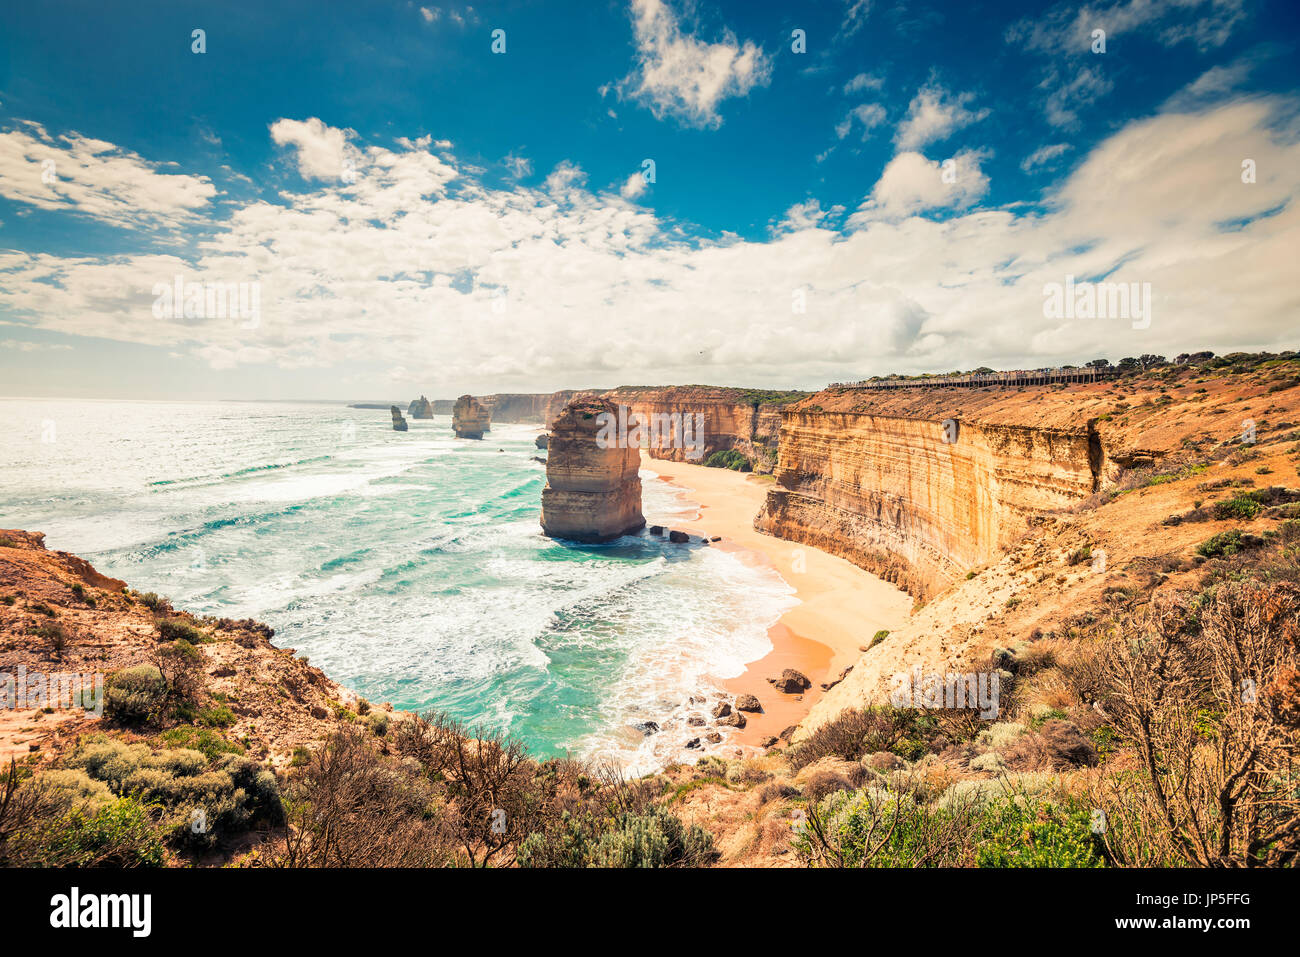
point(840, 606)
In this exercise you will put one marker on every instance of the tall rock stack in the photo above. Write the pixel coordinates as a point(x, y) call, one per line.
point(399, 423)
point(420, 408)
point(470, 419)
point(591, 494)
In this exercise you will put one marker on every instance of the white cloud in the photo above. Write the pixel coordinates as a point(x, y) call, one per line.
point(565, 176)
point(26, 345)
point(1043, 156)
point(1066, 98)
point(421, 266)
point(912, 184)
point(864, 81)
point(1214, 84)
point(681, 76)
point(634, 187)
point(1068, 29)
point(855, 18)
point(430, 14)
point(518, 166)
point(321, 149)
point(935, 114)
point(92, 178)
point(868, 117)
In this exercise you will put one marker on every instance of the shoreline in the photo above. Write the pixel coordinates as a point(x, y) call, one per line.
point(840, 606)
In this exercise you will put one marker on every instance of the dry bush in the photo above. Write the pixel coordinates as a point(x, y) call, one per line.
point(1056, 746)
point(853, 734)
point(351, 807)
point(1202, 691)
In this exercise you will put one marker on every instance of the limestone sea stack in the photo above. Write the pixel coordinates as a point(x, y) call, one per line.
point(470, 419)
point(591, 494)
point(399, 423)
point(420, 408)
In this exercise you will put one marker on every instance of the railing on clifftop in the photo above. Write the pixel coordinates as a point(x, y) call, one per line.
point(977, 380)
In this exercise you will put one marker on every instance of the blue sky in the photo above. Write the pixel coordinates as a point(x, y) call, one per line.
point(421, 214)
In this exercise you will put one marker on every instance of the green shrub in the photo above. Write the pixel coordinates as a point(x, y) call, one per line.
point(232, 791)
point(215, 716)
point(119, 834)
point(654, 839)
point(1243, 507)
point(135, 695)
point(78, 788)
point(211, 744)
point(1228, 543)
point(879, 636)
point(151, 601)
point(1016, 831)
point(729, 459)
point(986, 827)
point(176, 629)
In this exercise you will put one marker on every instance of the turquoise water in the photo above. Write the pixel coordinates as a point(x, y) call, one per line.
point(409, 566)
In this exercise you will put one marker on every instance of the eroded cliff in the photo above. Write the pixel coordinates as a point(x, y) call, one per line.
point(921, 501)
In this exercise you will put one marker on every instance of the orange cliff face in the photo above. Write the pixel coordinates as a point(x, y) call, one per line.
point(727, 418)
point(592, 494)
point(916, 502)
point(874, 476)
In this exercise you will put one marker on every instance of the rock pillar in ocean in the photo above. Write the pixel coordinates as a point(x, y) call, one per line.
point(470, 419)
point(420, 408)
point(399, 423)
point(592, 494)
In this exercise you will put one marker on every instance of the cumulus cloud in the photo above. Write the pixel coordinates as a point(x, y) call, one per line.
point(321, 150)
point(912, 184)
point(423, 267)
point(678, 75)
point(935, 114)
point(95, 179)
point(634, 186)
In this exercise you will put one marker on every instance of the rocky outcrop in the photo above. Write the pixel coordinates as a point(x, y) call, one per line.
point(399, 423)
point(420, 408)
point(541, 441)
point(469, 419)
point(592, 494)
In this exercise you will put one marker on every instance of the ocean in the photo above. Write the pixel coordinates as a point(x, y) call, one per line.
point(409, 566)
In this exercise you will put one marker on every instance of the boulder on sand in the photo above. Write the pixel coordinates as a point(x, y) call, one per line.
point(747, 702)
point(791, 682)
